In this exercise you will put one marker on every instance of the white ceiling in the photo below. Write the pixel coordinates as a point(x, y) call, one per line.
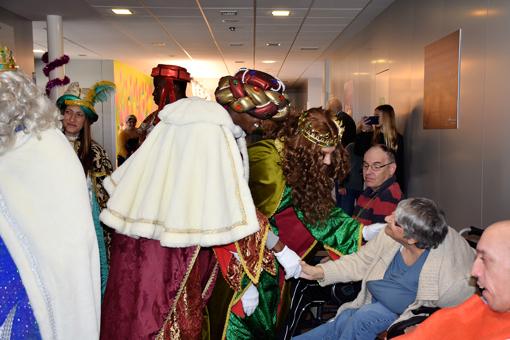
point(195, 34)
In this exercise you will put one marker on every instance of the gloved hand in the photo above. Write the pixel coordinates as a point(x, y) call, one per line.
point(290, 262)
point(372, 230)
point(250, 300)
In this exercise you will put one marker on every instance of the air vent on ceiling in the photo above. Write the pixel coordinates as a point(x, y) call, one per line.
point(273, 44)
point(228, 12)
point(236, 44)
point(309, 48)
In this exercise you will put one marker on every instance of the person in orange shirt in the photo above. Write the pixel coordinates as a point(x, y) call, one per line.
point(480, 317)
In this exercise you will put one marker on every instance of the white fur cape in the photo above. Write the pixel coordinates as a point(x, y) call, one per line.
point(185, 185)
point(46, 224)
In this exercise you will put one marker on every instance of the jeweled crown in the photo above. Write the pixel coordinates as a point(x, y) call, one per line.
point(7, 62)
point(322, 139)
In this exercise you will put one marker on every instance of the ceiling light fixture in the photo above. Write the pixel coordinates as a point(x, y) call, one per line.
point(38, 51)
point(121, 11)
point(268, 61)
point(273, 44)
point(280, 13)
point(228, 12)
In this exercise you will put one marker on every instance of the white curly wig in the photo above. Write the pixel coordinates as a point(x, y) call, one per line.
point(23, 106)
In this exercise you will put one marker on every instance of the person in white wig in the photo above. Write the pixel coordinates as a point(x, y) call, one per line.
point(183, 190)
point(49, 260)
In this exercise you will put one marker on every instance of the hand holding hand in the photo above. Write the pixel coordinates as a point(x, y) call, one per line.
point(290, 262)
point(250, 300)
point(311, 272)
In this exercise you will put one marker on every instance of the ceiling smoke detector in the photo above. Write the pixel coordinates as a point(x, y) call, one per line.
point(228, 12)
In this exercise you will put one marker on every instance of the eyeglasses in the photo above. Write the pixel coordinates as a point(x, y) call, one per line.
point(375, 166)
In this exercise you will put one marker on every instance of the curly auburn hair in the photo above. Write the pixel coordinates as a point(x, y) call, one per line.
point(312, 181)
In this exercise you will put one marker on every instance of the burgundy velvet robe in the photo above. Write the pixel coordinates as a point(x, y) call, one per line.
point(144, 281)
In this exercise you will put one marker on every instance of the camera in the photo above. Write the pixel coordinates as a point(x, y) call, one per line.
point(371, 120)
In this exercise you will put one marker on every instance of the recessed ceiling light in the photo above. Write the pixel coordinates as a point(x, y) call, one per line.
point(273, 44)
point(280, 13)
point(121, 11)
point(268, 61)
point(38, 51)
point(158, 44)
point(228, 12)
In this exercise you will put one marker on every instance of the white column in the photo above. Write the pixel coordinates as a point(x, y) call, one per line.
point(55, 50)
point(326, 86)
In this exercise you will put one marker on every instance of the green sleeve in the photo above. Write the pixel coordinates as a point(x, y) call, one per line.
point(267, 182)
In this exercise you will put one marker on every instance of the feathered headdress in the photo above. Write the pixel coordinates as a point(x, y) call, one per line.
point(97, 93)
point(7, 62)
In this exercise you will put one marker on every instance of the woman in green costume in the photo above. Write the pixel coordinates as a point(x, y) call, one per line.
point(291, 179)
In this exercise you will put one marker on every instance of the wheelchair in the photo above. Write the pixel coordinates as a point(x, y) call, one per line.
point(312, 305)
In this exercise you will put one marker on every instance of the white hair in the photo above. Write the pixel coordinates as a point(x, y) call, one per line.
point(23, 106)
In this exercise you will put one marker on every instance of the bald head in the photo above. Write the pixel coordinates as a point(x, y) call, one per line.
point(334, 105)
point(492, 265)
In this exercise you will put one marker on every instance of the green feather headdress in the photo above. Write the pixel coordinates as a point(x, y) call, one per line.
point(97, 93)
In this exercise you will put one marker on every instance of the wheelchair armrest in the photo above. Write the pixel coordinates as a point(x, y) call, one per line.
point(421, 314)
point(399, 328)
point(425, 310)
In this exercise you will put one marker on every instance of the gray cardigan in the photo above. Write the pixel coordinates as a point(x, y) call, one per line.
point(445, 278)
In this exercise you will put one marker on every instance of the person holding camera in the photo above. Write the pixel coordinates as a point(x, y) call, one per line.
point(380, 128)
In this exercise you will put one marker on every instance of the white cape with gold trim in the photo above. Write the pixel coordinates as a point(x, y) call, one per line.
point(185, 185)
point(46, 224)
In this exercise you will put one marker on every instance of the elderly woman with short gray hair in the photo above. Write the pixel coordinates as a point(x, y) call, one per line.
point(417, 261)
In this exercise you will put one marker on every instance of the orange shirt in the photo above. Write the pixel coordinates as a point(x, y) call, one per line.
point(471, 320)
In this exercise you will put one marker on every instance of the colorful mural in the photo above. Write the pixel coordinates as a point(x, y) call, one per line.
point(133, 94)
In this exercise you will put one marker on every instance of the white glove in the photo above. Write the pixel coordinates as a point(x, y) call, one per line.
point(250, 300)
point(372, 230)
point(290, 262)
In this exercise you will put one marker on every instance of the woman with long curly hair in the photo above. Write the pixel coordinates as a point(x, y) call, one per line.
point(309, 167)
point(291, 180)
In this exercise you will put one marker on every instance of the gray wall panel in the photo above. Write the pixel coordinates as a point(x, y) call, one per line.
point(466, 170)
point(496, 123)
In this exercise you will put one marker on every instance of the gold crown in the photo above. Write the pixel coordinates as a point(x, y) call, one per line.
point(7, 62)
point(323, 139)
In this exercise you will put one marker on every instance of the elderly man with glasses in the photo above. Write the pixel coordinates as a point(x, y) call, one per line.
point(382, 192)
point(417, 261)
